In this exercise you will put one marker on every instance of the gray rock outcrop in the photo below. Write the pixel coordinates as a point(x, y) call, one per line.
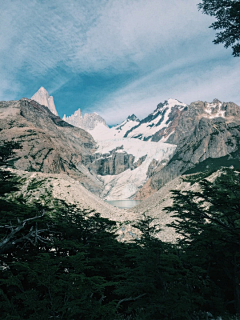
point(112, 163)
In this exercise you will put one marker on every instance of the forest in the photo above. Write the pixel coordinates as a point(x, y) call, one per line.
point(65, 263)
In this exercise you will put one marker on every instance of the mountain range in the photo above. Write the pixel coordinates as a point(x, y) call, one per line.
point(136, 158)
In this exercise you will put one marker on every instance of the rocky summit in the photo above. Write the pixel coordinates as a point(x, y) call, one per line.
point(43, 98)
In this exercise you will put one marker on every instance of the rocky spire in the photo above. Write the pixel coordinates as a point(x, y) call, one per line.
point(42, 97)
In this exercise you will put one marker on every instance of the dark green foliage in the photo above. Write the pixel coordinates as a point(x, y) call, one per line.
point(210, 165)
point(66, 263)
point(67, 274)
point(209, 224)
point(227, 14)
point(7, 151)
point(7, 179)
point(157, 282)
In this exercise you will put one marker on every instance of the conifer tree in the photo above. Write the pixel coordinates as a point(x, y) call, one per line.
point(208, 222)
point(227, 14)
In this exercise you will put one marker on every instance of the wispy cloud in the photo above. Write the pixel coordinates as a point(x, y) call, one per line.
point(53, 41)
point(185, 84)
point(94, 35)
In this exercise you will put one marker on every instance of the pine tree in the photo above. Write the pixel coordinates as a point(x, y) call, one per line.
point(208, 223)
point(227, 13)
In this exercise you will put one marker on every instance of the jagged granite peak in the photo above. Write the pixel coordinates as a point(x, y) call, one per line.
point(43, 98)
point(74, 119)
point(216, 101)
point(88, 122)
point(126, 125)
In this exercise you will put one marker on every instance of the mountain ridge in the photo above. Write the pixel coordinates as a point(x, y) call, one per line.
point(48, 144)
point(194, 132)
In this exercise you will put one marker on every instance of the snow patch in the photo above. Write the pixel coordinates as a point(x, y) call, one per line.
point(210, 110)
point(102, 132)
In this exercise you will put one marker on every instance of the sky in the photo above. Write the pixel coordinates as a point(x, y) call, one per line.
point(113, 57)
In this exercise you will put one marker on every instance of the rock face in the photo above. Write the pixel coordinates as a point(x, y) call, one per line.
point(112, 163)
point(43, 98)
point(204, 131)
point(49, 144)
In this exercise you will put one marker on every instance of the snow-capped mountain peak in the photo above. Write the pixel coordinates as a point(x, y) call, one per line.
point(161, 119)
point(170, 103)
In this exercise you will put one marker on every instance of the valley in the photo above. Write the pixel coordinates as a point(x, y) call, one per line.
point(120, 160)
point(79, 179)
point(129, 161)
point(133, 161)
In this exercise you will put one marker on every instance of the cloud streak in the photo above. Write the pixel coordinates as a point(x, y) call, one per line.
point(162, 42)
point(184, 84)
point(94, 35)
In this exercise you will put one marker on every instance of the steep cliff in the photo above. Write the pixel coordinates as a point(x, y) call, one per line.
point(48, 144)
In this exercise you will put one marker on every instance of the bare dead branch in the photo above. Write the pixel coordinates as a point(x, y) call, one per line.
point(130, 299)
point(33, 235)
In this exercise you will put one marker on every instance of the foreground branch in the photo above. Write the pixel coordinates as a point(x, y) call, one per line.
point(33, 235)
point(130, 299)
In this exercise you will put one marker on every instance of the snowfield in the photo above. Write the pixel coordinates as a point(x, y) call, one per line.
point(125, 185)
point(102, 132)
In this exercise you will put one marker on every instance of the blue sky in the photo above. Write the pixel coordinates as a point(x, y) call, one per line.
point(113, 57)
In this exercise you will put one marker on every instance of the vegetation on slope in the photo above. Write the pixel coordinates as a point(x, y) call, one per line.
point(64, 263)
